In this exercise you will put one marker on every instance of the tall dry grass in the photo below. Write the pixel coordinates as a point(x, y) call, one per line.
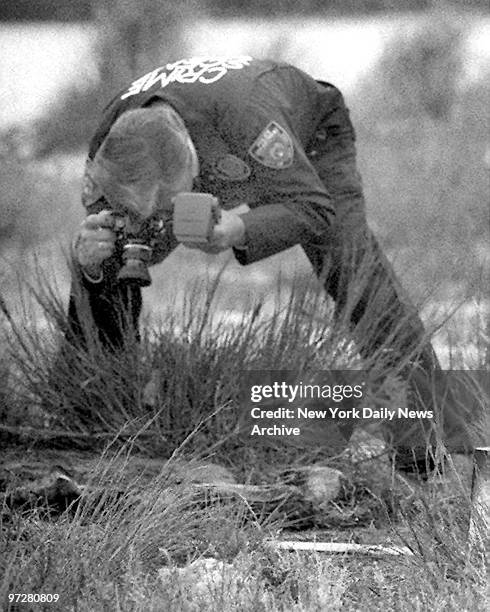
point(129, 544)
point(427, 192)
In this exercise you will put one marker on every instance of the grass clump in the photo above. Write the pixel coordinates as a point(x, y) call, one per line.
point(110, 546)
point(153, 547)
point(193, 364)
point(140, 544)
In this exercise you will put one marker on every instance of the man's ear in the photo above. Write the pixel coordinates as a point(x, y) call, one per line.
point(91, 191)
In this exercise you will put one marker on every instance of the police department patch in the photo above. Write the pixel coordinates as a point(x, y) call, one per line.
point(231, 168)
point(273, 148)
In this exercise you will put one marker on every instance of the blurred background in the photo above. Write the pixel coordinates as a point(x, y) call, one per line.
point(415, 74)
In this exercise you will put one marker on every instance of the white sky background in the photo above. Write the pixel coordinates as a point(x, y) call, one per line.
point(37, 60)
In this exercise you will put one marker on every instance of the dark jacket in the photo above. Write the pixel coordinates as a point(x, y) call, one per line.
point(254, 124)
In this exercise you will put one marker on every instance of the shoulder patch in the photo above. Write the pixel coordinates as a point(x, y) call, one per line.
point(274, 147)
point(231, 168)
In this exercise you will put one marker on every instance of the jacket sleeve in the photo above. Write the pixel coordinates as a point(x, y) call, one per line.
point(107, 311)
point(280, 225)
point(292, 205)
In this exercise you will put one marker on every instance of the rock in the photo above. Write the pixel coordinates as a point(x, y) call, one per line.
point(371, 460)
point(321, 484)
point(367, 443)
point(204, 579)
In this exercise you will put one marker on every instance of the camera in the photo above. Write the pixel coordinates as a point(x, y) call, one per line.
point(136, 250)
point(193, 217)
point(136, 257)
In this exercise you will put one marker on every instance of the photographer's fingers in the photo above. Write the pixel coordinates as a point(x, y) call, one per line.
point(104, 218)
point(228, 232)
point(99, 234)
point(95, 242)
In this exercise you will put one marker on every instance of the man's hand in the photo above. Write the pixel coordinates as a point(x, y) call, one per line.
point(228, 233)
point(95, 242)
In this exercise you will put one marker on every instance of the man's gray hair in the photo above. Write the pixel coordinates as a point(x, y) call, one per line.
point(143, 147)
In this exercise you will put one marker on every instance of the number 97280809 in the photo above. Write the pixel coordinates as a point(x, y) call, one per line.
point(33, 597)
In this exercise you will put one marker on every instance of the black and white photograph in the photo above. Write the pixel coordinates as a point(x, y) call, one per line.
point(244, 305)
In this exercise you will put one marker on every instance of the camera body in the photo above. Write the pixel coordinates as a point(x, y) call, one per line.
point(193, 217)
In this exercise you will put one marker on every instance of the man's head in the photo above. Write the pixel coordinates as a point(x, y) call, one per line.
point(146, 158)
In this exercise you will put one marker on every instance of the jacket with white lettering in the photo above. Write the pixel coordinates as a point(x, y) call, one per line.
point(252, 123)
